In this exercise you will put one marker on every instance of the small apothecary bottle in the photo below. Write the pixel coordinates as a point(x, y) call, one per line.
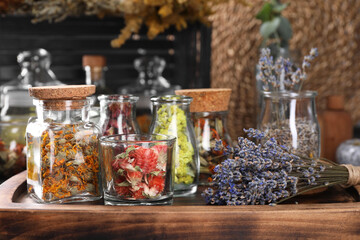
point(118, 114)
point(62, 156)
point(171, 116)
point(208, 112)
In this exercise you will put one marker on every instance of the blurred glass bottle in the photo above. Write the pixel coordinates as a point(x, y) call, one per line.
point(95, 69)
point(150, 82)
point(16, 108)
point(35, 71)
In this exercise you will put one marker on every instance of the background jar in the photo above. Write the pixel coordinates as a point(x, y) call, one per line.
point(291, 119)
point(171, 116)
point(118, 114)
point(209, 113)
point(210, 128)
point(62, 156)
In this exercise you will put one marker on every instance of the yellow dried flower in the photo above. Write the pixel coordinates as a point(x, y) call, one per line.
point(158, 15)
point(165, 10)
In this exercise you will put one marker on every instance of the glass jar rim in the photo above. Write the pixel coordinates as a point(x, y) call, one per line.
point(119, 97)
point(172, 99)
point(117, 138)
point(42, 101)
point(63, 104)
point(288, 94)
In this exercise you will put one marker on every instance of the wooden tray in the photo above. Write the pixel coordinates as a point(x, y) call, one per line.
point(334, 213)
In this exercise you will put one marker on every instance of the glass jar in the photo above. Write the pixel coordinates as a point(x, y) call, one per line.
point(210, 127)
point(16, 108)
point(62, 156)
point(150, 82)
point(171, 116)
point(291, 119)
point(208, 111)
point(138, 169)
point(118, 115)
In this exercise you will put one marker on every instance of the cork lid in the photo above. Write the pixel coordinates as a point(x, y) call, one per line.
point(54, 96)
point(207, 99)
point(94, 61)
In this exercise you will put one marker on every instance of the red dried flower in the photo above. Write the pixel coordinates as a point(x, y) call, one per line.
point(146, 159)
point(157, 182)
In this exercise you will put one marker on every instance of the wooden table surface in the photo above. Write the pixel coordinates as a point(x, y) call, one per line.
point(333, 214)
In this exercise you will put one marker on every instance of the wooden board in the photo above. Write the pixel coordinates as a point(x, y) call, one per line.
point(334, 213)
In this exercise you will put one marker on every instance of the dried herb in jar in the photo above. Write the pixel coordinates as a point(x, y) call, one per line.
point(172, 121)
point(69, 162)
point(208, 113)
point(118, 114)
point(209, 130)
point(140, 172)
point(115, 124)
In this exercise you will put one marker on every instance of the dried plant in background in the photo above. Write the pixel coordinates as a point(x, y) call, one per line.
point(157, 15)
point(9, 5)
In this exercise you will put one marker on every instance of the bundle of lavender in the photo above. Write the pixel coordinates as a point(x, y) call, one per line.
point(268, 174)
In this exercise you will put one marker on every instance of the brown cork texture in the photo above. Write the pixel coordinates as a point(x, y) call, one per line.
point(69, 92)
point(54, 96)
point(331, 26)
point(93, 61)
point(207, 99)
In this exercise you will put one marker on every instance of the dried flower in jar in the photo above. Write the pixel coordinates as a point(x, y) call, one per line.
point(118, 114)
point(306, 138)
point(209, 130)
point(69, 162)
point(115, 124)
point(140, 172)
point(172, 121)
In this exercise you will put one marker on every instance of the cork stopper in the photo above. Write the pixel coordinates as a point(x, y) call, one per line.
point(207, 99)
point(54, 96)
point(335, 102)
point(94, 61)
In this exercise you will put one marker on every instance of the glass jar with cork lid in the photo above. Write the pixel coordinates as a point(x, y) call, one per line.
point(209, 112)
point(62, 146)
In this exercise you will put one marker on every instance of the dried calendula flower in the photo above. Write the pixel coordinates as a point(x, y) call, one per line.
point(69, 162)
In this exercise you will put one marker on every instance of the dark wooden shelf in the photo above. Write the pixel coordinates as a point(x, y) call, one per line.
point(333, 213)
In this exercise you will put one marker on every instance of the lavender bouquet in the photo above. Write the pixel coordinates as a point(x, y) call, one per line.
point(269, 173)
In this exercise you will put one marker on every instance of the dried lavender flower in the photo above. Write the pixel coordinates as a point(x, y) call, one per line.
point(282, 75)
point(268, 173)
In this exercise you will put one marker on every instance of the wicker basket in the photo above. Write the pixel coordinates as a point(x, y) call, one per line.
point(331, 26)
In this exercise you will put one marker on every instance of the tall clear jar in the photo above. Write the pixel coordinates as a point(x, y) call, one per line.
point(210, 127)
point(291, 118)
point(62, 156)
point(171, 116)
point(118, 114)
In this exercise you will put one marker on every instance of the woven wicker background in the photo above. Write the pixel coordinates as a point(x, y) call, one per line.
point(331, 26)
